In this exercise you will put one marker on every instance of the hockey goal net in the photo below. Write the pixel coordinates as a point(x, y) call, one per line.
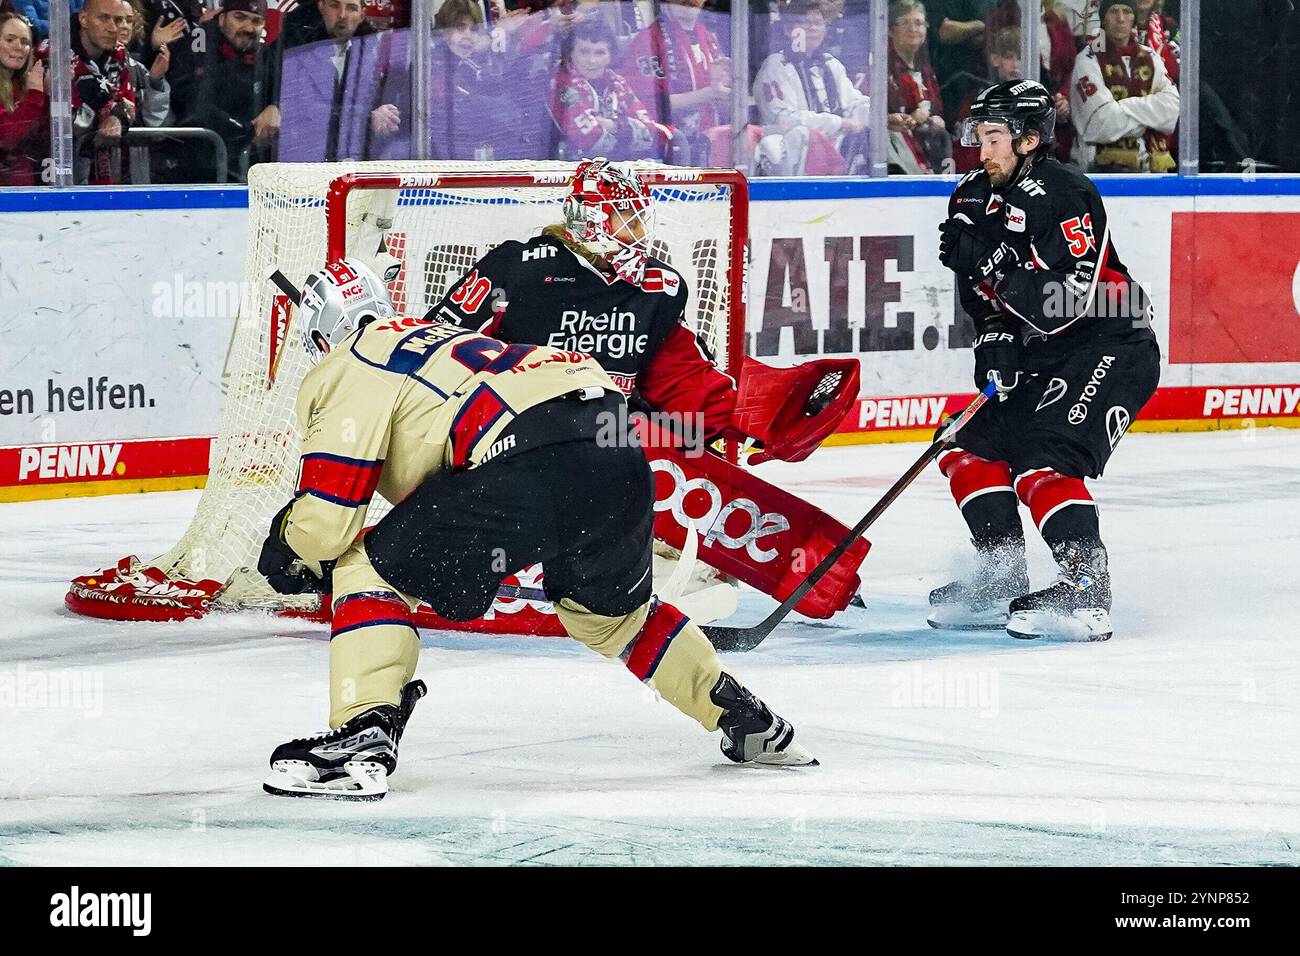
point(437, 219)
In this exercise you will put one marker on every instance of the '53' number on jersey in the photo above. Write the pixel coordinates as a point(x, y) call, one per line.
point(1078, 233)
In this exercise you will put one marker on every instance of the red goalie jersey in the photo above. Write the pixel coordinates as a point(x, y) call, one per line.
point(545, 292)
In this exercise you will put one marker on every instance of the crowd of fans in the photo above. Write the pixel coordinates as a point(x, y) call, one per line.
point(317, 80)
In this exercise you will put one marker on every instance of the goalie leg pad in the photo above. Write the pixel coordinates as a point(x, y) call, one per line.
point(752, 530)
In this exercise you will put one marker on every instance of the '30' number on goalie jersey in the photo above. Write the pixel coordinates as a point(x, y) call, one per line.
point(472, 291)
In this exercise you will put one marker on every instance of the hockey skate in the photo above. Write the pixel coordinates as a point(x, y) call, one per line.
point(350, 763)
point(980, 601)
point(1076, 606)
point(751, 733)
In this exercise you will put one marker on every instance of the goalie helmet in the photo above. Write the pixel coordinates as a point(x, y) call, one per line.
point(610, 212)
point(338, 300)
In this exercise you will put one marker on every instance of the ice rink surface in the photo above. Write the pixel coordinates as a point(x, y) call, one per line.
point(1177, 742)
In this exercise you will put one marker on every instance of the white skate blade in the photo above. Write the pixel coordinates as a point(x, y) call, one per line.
point(793, 755)
point(361, 780)
point(963, 617)
point(1085, 624)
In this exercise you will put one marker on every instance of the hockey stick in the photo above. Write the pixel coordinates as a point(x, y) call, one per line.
point(286, 287)
point(748, 638)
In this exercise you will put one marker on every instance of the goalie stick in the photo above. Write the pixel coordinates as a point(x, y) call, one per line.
point(748, 638)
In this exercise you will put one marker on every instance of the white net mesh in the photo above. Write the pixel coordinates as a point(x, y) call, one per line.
point(437, 234)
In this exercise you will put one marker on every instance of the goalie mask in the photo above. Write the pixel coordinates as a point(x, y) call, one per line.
point(338, 300)
point(610, 212)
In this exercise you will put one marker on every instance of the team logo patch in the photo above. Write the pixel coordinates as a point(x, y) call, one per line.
point(995, 203)
point(1117, 422)
point(1015, 219)
point(656, 280)
point(1052, 394)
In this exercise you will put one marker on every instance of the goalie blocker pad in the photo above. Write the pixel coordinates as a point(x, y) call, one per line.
point(749, 529)
point(793, 410)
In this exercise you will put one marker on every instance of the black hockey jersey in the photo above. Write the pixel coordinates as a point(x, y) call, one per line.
point(1070, 287)
point(543, 293)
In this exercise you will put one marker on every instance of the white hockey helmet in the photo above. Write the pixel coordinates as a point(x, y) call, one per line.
point(609, 210)
point(338, 300)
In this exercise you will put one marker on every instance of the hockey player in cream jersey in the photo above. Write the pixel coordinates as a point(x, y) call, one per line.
point(498, 457)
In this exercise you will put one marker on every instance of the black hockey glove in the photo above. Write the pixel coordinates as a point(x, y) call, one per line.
point(999, 263)
point(997, 357)
point(284, 570)
point(960, 246)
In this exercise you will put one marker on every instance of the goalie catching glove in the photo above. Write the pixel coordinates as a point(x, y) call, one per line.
point(793, 410)
point(284, 570)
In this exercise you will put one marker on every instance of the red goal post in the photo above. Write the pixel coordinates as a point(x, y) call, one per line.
point(437, 218)
point(342, 188)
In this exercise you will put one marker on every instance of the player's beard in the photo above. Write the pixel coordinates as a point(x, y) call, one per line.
point(998, 177)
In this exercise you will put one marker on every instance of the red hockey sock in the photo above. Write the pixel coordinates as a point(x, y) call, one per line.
point(1047, 493)
point(970, 476)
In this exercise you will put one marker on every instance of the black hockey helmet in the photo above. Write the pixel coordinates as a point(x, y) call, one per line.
point(1022, 106)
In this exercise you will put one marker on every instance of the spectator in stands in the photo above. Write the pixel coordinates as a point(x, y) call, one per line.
point(1125, 107)
point(167, 21)
point(324, 20)
point(813, 117)
point(339, 21)
point(133, 37)
point(23, 105)
point(918, 141)
point(679, 70)
point(226, 93)
point(473, 110)
point(388, 14)
point(37, 13)
point(474, 115)
point(847, 26)
point(594, 108)
point(1004, 64)
point(957, 32)
point(1057, 45)
point(1160, 32)
point(152, 91)
point(552, 25)
point(103, 95)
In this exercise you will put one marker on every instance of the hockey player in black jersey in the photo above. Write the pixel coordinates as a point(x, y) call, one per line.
point(593, 283)
point(1065, 333)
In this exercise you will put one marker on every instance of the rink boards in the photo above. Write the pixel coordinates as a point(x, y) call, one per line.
point(119, 309)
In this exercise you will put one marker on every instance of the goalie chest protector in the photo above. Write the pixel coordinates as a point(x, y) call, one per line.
point(541, 292)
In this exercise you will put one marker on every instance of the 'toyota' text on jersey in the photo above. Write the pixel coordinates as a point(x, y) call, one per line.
point(1071, 286)
point(542, 292)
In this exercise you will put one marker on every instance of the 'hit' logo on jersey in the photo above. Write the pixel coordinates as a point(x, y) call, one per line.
point(541, 252)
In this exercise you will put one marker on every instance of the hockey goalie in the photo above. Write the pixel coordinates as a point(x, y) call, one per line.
point(499, 456)
point(590, 284)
